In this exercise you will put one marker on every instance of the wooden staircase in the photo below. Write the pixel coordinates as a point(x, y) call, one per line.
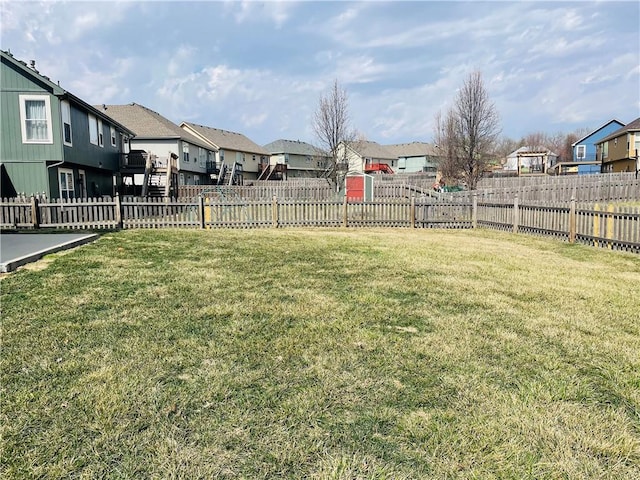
point(160, 176)
point(230, 175)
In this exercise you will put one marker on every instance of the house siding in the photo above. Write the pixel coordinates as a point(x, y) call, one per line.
point(83, 152)
point(13, 84)
point(590, 141)
point(27, 178)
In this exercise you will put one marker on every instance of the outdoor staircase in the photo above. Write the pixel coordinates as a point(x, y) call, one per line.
point(159, 177)
point(273, 172)
point(230, 175)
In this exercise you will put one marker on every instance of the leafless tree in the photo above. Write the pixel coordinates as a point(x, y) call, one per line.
point(332, 126)
point(468, 132)
point(536, 141)
point(504, 147)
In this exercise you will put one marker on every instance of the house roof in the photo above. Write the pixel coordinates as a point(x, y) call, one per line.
point(226, 140)
point(596, 130)
point(293, 147)
point(413, 149)
point(60, 92)
point(633, 126)
point(148, 124)
point(369, 149)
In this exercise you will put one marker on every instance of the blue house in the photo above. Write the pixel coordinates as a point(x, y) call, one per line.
point(584, 150)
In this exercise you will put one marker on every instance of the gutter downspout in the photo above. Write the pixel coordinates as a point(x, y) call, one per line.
point(56, 165)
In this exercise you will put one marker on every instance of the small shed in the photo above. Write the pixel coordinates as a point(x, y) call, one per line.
point(359, 187)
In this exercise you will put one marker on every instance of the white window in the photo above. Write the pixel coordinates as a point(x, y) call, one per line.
point(202, 155)
point(581, 152)
point(35, 119)
point(113, 136)
point(65, 110)
point(100, 133)
point(65, 181)
point(185, 151)
point(93, 129)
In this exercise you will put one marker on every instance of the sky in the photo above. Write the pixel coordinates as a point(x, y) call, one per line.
point(260, 68)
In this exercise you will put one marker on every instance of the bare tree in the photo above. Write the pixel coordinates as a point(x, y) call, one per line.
point(468, 132)
point(504, 147)
point(331, 125)
point(536, 141)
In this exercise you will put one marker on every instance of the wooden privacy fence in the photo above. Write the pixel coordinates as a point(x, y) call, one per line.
point(604, 225)
point(584, 188)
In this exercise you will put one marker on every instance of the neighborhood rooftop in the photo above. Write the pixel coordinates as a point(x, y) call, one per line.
point(146, 123)
point(226, 140)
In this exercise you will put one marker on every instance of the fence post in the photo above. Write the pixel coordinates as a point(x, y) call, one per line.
point(572, 220)
point(35, 212)
point(118, 211)
point(413, 212)
point(201, 210)
point(474, 210)
point(516, 214)
point(274, 212)
point(344, 211)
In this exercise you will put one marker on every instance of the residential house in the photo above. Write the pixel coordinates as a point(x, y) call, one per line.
point(233, 148)
point(531, 161)
point(584, 159)
point(52, 142)
point(363, 156)
point(415, 157)
point(302, 160)
point(619, 150)
point(165, 143)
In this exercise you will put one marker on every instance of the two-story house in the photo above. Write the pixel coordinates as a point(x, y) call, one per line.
point(619, 150)
point(163, 140)
point(302, 160)
point(364, 156)
point(415, 157)
point(584, 159)
point(233, 148)
point(51, 141)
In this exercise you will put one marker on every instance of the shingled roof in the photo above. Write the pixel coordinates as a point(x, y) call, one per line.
point(366, 148)
point(633, 126)
point(293, 147)
point(413, 149)
point(226, 140)
point(147, 124)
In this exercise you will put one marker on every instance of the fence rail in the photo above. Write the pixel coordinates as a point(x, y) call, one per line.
point(602, 225)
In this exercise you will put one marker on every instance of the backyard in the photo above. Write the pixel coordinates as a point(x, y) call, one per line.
point(323, 354)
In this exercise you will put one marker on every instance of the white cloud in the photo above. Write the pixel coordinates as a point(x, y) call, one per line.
point(245, 11)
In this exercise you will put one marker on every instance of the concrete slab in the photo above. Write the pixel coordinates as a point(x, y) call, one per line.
point(17, 249)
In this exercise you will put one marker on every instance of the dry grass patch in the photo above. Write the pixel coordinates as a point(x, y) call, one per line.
point(322, 354)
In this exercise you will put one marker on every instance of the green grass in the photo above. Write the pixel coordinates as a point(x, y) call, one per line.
point(337, 354)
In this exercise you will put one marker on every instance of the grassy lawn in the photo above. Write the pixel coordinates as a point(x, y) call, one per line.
point(322, 354)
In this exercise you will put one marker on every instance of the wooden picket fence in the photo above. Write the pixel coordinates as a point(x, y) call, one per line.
point(603, 225)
